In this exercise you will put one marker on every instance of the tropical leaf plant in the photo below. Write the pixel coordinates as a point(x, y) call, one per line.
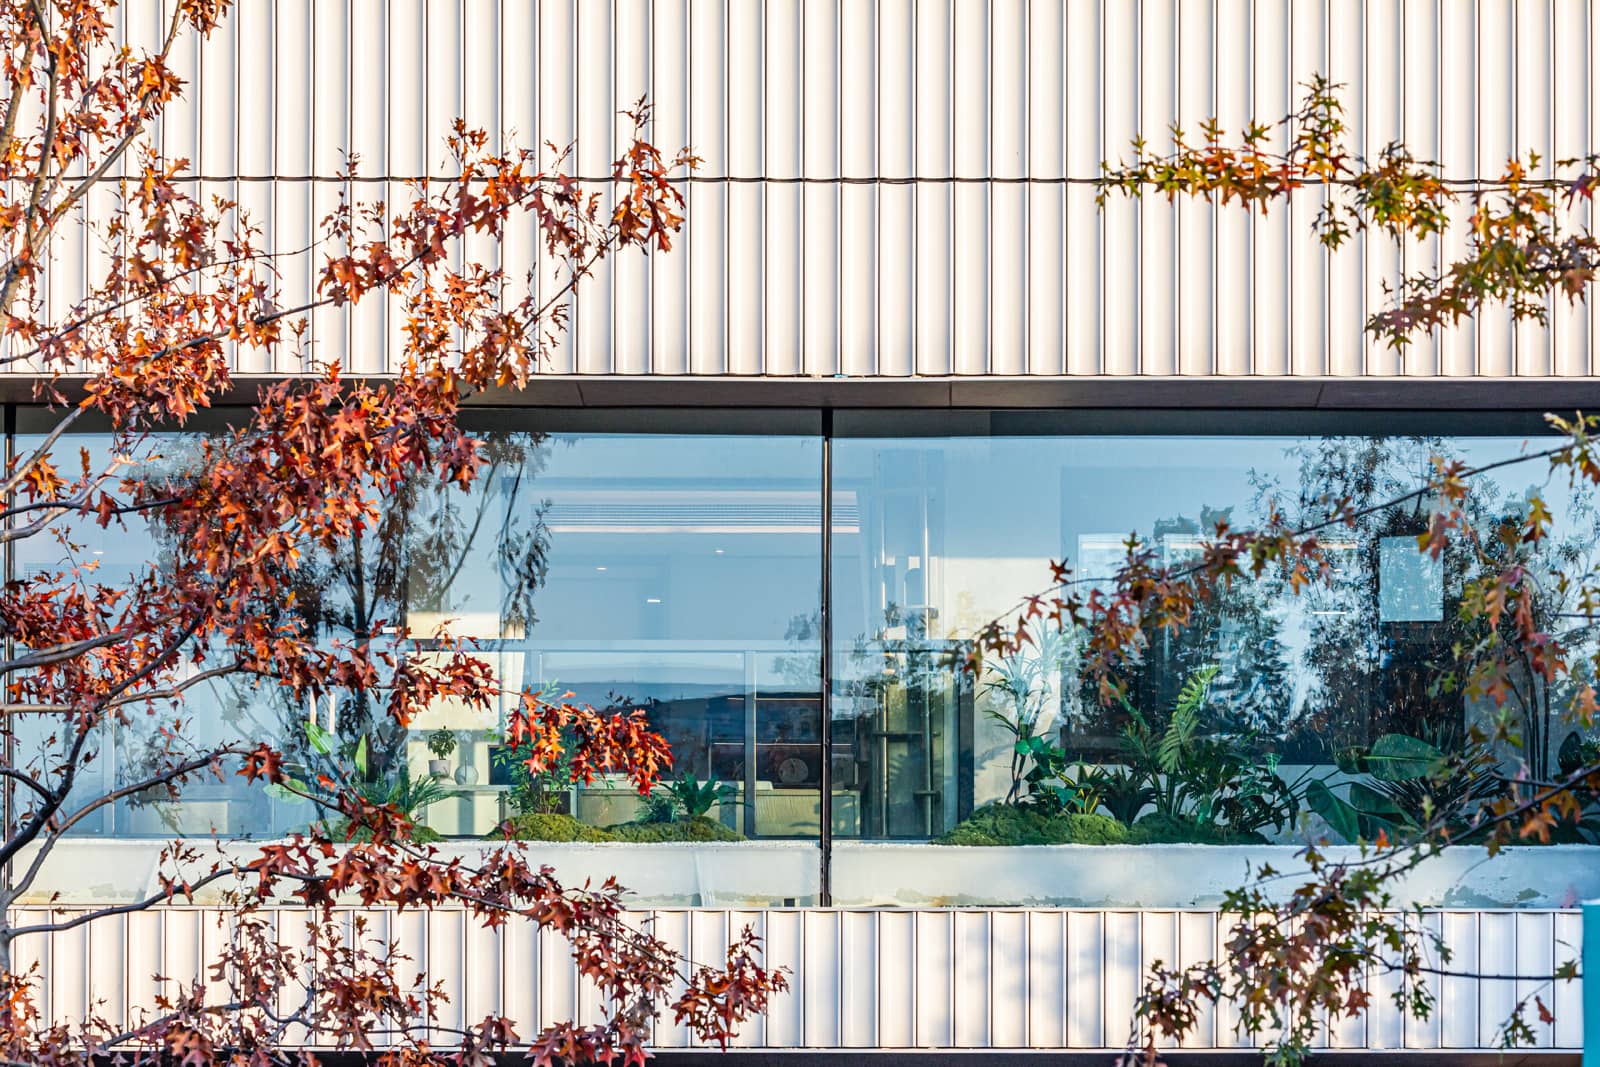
point(1214, 783)
point(693, 799)
point(1022, 680)
point(1409, 785)
point(1179, 737)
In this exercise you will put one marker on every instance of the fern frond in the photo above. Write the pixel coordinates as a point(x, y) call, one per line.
point(1185, 720)
point(1193, 694)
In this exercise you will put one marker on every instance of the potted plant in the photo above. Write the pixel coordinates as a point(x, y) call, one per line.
point(441, 743)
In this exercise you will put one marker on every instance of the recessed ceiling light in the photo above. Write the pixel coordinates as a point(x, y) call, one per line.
point(718, 551)
point(652, 600)
point(599, 568)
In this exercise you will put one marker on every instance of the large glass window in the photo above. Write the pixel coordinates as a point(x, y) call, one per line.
point(679, 574)
point(935, 536)
point(76, 554)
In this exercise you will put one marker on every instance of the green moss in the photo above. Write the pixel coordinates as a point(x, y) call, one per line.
point(1166, 830)
point(1003, 824)
point(420, 834)
point(542, 826)
point(696, 829)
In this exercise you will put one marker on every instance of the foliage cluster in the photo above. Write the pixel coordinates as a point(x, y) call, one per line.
point(1519, 252)
point(1301, 955)
point(1011, 824)
point(686, 799)
point(1172, 783)
point(1407, 784)
point(134, 341)
point(442, 742)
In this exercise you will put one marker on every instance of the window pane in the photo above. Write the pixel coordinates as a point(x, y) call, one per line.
point(675, 574)
point(933, 537)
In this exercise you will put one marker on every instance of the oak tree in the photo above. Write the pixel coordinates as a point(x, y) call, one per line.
point(180, 288)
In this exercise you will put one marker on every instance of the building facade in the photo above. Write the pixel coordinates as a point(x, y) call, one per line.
point(899, 361)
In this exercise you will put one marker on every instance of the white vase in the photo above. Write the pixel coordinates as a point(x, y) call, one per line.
point(466, 774)
point(439, 768)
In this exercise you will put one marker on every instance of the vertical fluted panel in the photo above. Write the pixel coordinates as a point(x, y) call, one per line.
point(914, 978)
point(896, 187)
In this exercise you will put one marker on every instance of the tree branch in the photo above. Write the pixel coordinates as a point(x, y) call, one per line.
point(214, 875)
point(30, 830)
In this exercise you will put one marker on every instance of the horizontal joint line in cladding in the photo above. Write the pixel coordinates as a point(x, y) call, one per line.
point(730, 179)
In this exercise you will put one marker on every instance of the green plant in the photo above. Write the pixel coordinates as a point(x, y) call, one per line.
point(695, 798)
point(695, 829)
point(442, 742)
point(1215, 783)
point(1409, 785)
point(545, 826)
point(1010, 824)
point(1054, 782)
point(1158, 829)
point(1124, 791)
point(336, 768)
point(1577, 752)
point(1178, 740)
point(1582, 826)
point(1045, 763)
point(1024, 682)
point(408, 796)
point(659, 807)
point(530, 792)
point(1160, 757)
point(542, 826)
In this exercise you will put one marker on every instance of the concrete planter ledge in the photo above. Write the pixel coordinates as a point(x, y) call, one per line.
point(874, 874)
point(906, 874)
point(688, 874)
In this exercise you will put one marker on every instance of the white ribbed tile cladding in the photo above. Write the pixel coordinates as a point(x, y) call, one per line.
point(891, 979)
point(825, 235)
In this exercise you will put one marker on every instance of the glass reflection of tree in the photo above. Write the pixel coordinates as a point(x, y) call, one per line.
point(800, 666)
point(408, 563)
point(1306, 675)
point(1237, 631)
point(442, 545)
point(1366, 675)
point(143, 747)
point(1362, 676)
point(1538, 708)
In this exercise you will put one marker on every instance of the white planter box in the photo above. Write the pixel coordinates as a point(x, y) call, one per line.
point(755, 873)
point(867, 874)
point(710, 874)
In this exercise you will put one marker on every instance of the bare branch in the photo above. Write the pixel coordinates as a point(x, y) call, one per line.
point(144, 904)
